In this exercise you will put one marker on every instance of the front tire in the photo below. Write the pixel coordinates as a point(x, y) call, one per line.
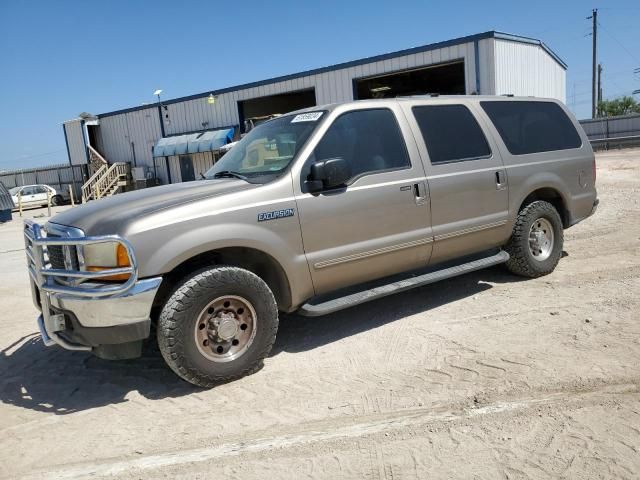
point(535, 246)
point(217, 326)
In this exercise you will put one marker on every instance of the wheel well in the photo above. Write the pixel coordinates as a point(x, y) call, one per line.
point(256, 261)
point(554, 198)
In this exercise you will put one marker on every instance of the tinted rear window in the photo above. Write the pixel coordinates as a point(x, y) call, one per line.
point(451, 133)
point(532, 127)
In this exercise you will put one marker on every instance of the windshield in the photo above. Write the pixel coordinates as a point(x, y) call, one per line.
point(266, 151)
point(14, 191)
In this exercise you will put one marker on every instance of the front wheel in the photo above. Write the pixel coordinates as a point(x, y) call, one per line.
point(217, 326)
point(535, 246)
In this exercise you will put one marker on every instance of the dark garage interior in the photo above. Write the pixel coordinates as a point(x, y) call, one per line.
point(274, 104)
point(447, 79)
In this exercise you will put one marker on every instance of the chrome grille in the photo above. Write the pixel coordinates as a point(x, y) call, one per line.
point(57, 253)
point(56, 256)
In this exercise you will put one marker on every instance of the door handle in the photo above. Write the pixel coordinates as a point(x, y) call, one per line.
point(501, 182)
point(420, 193)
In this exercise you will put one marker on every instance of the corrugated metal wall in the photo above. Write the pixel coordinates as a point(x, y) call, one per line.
point(486, 66)
point(121, 136)
point(56, 176)
point(612, 127)
point(75, 141)
point(526, 69)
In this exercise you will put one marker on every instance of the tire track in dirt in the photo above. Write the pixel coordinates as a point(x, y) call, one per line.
point(372, 426)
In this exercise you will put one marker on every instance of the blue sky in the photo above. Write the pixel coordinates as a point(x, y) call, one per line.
point(60, 58)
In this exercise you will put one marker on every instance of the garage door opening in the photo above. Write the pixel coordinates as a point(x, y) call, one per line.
point(442, 79)
point(255, 110)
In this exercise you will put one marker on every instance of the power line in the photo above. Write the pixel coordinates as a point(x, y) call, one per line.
point(617, 73)
point(619, 42)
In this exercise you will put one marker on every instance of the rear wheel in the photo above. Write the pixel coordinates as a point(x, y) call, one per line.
point(535, 246)
point(218, 326)
point(57, 200)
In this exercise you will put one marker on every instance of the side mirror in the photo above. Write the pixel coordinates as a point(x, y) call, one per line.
point(327, 174)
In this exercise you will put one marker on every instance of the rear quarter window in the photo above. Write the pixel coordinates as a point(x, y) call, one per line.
point(451, 133)
point(532, 127)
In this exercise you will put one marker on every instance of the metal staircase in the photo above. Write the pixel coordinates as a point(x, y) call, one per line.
point(106, 180)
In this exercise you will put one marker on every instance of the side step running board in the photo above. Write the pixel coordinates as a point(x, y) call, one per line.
point(333, 305)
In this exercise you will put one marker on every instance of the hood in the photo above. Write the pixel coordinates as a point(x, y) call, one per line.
point(111, 215)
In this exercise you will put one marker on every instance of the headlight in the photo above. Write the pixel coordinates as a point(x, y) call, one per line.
point(107, 255)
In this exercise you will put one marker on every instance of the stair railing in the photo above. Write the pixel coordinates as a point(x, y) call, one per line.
point(115, 173)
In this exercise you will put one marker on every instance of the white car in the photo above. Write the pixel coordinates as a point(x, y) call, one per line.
point(35, 195)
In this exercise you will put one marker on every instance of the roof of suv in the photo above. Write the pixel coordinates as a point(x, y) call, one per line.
point(427, 99)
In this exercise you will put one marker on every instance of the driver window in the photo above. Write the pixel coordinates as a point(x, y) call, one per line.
point(369, 140)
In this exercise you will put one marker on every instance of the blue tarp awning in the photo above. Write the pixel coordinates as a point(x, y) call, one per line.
point(193, 143)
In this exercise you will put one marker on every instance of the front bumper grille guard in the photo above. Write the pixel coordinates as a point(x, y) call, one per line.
point(45, 277)
point(50, 280)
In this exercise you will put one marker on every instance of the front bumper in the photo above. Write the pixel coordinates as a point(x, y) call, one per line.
point(78, 311)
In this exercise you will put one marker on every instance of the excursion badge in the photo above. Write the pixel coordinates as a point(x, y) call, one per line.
point(264, 216)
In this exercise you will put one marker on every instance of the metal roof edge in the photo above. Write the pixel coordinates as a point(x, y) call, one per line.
point(533, 41)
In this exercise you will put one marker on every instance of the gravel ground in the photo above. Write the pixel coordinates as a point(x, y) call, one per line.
point(484, 376)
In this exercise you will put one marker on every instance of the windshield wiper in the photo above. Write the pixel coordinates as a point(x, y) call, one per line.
point(230, 174)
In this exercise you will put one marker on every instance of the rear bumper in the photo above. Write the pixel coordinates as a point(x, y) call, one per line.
point(587, 211)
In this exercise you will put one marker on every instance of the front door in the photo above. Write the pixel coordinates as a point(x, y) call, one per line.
point(378, 223)
point(467, 179)
point(186, 168)
point(28, 195)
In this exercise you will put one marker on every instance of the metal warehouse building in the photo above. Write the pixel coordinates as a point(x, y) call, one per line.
point(175, 140)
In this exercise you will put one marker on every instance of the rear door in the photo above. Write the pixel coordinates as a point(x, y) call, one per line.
point(40, 195)
point(378, 223)
point(466, 175)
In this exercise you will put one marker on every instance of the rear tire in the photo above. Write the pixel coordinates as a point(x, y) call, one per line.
point(57, 200)
point(217, 326)
point(535, 246)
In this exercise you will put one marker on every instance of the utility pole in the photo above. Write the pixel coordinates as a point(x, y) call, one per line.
point(599, 112)
point(594, 17)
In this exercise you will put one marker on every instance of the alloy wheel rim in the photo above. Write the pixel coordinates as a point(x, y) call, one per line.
point(541, 239)
point(225, 328)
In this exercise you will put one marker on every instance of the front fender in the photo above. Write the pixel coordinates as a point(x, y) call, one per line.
point(206, 238)
point(161, 250)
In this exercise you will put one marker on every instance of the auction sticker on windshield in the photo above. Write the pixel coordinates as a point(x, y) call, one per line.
point(307, 117)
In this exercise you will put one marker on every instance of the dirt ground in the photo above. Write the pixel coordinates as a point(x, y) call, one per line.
point(485, 376)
